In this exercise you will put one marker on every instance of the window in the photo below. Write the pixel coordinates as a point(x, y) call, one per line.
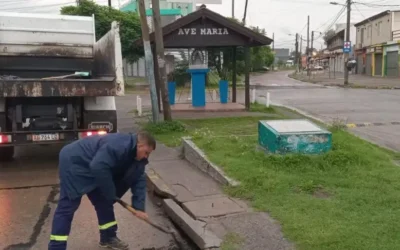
point(362, 35)
point(369, 31)
point(379, 28)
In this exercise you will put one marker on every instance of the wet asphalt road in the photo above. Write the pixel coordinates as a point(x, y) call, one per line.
point(338, 105)
point(28, 197)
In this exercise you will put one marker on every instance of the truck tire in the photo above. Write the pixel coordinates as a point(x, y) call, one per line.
point(6, 154)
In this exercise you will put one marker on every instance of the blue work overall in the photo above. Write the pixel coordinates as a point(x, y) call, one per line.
point(102, 168)
point(65, 212)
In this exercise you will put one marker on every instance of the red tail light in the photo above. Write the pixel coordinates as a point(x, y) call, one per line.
point(5, 139)
point(91, 133)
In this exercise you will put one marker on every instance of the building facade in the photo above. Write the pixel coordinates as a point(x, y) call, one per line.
point(335, 47)
point(377, 45)
point(281, 55)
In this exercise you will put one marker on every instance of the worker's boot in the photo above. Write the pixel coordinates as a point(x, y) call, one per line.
point(114, 243)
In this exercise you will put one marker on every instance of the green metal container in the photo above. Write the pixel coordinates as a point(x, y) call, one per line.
point(293, 136)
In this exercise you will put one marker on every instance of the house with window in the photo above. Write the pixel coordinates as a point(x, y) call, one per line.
point(335, 47)
point(377, 44)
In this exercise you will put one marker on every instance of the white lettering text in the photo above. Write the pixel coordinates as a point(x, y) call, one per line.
point(203, 31)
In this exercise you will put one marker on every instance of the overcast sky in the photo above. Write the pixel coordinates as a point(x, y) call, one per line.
point(282, 17)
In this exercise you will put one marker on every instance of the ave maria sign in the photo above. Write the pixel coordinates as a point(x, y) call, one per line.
point(202, 31)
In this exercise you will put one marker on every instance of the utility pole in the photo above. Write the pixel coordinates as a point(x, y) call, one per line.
point(245, 13)
point(301, 51)
point(273, 50)
point(312, 44)
point(308, 46)
point(233, 8)
point(346, 55)
point(296, 55)
point(149, 61)
point(161, 59)
point(109, 3)
point(312, 41)
point(247, 59)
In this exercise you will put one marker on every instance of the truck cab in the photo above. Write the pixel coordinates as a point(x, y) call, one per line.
point(57, 83)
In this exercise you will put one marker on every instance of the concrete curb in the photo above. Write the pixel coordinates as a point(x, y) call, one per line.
point(196, 230)
point(197, 157)
point(301, 112)
point(158, 185)
point(351, 86)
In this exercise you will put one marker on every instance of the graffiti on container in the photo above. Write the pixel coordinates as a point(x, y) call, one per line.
point(306, 143)
point(29, 88)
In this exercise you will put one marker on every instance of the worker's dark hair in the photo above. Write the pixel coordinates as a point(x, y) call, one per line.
point(146, 137)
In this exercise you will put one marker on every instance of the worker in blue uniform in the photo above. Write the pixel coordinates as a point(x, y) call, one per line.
point(103, 167)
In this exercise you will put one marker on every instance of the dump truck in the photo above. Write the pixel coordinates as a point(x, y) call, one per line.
point(57, 83)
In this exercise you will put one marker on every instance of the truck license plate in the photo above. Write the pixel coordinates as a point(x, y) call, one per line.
point(45, 137)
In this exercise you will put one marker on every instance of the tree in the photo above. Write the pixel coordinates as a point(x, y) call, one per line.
point(261, 57)
point(328, 35)
point(130, 29)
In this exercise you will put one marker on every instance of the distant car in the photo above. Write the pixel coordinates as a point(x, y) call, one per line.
point(318, 67)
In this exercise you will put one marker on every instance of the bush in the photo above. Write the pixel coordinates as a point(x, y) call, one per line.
point(180, 74)
point(165, 127)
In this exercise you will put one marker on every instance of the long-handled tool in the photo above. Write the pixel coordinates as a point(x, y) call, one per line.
point(155, 225)
point(166, 230)
point(76, 74)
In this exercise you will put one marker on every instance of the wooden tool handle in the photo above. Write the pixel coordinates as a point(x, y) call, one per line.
point(134, 212)
point(125, 205)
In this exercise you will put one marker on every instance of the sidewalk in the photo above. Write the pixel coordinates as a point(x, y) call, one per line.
point(355, 80)
point(198, 205)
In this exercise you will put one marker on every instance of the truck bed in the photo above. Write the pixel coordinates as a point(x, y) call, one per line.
point(36, 46)
point(104, 86)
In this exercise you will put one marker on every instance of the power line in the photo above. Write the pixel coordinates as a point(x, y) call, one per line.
point(38, 6)
point(355, 6)
point(302, 2)
point(303, 28)
point(378, 5)
point(334, 17)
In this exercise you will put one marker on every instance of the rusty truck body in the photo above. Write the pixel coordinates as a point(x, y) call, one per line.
point(36, 107)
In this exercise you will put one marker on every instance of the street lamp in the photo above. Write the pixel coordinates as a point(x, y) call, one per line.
point(336, 3)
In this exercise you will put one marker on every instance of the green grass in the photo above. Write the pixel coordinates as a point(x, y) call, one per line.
point(345, 199)
point(258, 107)
point(174, 131)
point(170, 133)
point(232, 241)
point(133, 81)
point(348, 198)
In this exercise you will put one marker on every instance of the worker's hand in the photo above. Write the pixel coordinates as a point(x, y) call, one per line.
point(142, 215)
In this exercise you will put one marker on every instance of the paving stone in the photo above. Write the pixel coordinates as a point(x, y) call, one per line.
point(194, 229)
point(213, 207)
point(183, 194)
point(258, 231)
point(183, 173)
point(163, 153)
